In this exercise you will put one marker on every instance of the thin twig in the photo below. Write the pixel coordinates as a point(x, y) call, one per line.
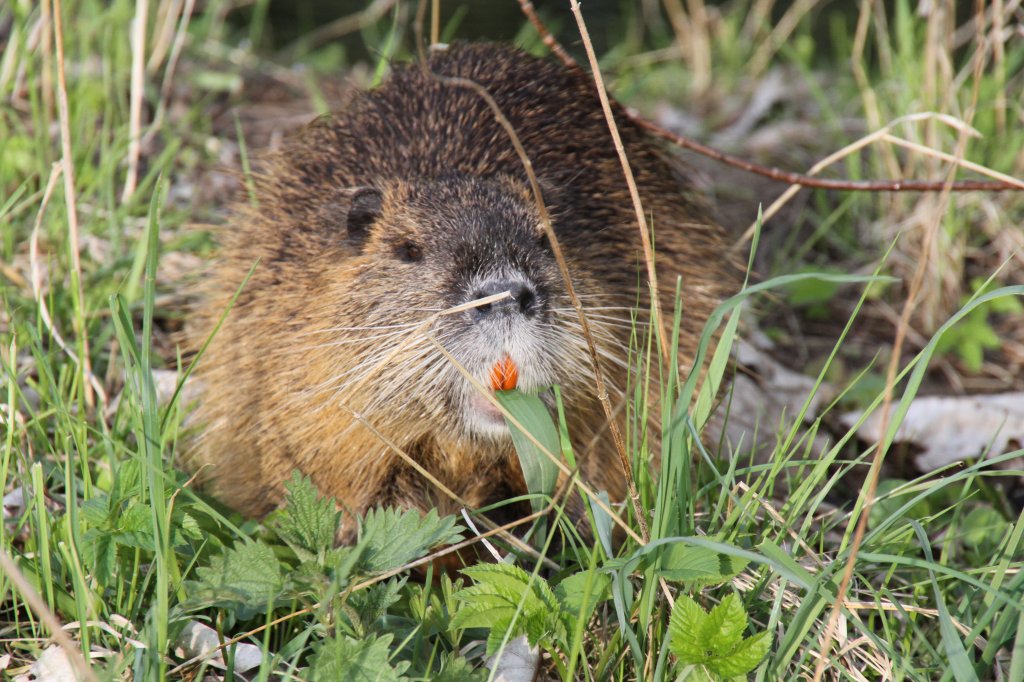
point(49, 619)
point(757, 169)
point(882, 134)
point(71, 202)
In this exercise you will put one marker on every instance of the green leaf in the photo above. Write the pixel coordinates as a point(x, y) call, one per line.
point(353, 660)
point(539, 471)
point(249, 573)
point(457, 669)
point(580, 593)
point(390, 538)
point(697, 565)
point(510, 602)
point(722, 630)
point(743, 658)
point(308, 522)
point(373, 602)
point(984, 528)
point(714, 641)
point(684, 628)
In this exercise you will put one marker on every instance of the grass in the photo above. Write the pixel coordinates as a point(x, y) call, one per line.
point(112, 540)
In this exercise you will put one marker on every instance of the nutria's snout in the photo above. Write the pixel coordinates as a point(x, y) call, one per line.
point(523, 299)
point(511, 334)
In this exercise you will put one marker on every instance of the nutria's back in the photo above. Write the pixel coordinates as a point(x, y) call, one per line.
point(406, 203)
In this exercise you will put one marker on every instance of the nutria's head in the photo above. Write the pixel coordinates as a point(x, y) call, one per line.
point(414, 249)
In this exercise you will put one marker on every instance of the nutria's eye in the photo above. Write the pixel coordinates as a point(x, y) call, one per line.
point(543, 242)
point(410, 252)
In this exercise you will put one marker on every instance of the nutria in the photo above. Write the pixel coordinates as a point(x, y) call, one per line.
point(409, 201)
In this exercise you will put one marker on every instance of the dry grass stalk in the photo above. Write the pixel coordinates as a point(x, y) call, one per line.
point(693, 39)
point(869, 101)
point(37, 287)
point(779, 34)
point(168, 80)
point(49, 619)
point(634, 193)
point(163, 36)
point(72, 207)
point(138, 40)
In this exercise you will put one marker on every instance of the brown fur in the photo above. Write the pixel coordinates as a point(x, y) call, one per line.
point(275, 395)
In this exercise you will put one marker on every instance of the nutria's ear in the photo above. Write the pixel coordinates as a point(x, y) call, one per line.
point(364, 208)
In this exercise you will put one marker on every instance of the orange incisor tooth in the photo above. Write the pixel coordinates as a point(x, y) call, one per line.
point(504, 374)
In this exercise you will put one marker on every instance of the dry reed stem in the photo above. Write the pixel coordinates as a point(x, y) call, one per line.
point(45, 47)
point(779, 34)
point(138, 41)
point(867, 94)
point(163, 36)
point(49, 619)
point(881, 446)
point(36, 277)
point(556, 249)
point(999, 62)
point(168, 80)
point(71, 202)
point(435, 22)
point(956, 160)
point(692, 37)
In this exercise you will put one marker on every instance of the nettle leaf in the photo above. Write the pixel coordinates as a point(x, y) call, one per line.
point(714, 642)
point(308, 522)
point(248, 573)
point(510, 602)
point(365, 660)
point(373, 602)
point(390, 538)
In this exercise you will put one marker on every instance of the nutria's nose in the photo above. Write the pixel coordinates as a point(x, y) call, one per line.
point(523, 299)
